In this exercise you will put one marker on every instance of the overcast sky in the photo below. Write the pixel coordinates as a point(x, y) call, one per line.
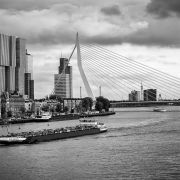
point(145, 30)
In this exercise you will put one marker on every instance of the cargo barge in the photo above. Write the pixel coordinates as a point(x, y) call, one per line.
point(86, 127)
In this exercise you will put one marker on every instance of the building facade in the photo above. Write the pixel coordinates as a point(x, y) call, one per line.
point(29, 106)
point(16, 105)
point(63, 80)
point(31, 95)
point(150, 95)
point(0, 107)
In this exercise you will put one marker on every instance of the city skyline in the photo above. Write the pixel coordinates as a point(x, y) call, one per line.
point(145, 31)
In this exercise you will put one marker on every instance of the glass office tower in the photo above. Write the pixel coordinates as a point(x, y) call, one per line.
point(63, 80)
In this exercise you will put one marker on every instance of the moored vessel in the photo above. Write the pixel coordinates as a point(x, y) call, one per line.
point(44, 117)
point(86, 127)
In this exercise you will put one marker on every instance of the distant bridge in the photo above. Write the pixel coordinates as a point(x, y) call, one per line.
point(144, 104)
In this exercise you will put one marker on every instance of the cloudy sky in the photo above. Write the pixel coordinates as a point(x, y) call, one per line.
point(145, 30)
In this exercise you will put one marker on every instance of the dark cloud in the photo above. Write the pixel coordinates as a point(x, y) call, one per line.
point(163, 34)
point(59, 24)
point(23, 4)
point(112, 10)
point(148, 37)
point(103, 39)
point(29, 5)
point(164, 8)
point(48, 37)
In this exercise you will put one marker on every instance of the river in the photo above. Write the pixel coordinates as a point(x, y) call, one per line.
point(140, 144)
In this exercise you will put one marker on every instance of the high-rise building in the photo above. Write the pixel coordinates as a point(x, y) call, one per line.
point(150, 95)
point(63, 80)
point(134, 96)
point(12, 64)
point(28, 78)
point(7, 63)
point(20, 64)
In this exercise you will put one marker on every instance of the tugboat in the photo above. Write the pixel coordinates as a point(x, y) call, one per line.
point(86, 127)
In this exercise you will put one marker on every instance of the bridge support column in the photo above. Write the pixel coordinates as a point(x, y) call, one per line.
point(83, 76)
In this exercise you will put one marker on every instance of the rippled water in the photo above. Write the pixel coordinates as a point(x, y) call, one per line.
point(138, 145)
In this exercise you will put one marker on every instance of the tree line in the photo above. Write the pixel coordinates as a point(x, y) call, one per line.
point(100, 105)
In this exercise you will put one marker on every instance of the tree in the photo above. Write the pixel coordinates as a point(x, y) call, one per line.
point(55, 97)
point(105, 102)
point(78, 107)
point(51, 109)
point(3, 111)
point(59, 99)
point(45, 107)
point(52, 96)
point(9, 113)
point(87, 103)
point(99, 106)
point(22, 109)
point(66, 109)
point(58, 107)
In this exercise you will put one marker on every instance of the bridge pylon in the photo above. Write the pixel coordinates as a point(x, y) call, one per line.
point(83, 76)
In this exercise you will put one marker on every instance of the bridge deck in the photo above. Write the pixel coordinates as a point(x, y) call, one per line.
point(144, 103)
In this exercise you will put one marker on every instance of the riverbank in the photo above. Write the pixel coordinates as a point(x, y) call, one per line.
point(34, 120)
point(64, 117)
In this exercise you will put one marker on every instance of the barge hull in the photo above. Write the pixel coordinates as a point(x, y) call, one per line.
point(11, 143)
point(63, 135)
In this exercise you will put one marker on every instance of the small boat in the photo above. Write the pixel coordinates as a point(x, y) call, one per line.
point(159, 110)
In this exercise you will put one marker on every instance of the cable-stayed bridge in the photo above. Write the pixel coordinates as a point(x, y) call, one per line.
point(118, 75)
